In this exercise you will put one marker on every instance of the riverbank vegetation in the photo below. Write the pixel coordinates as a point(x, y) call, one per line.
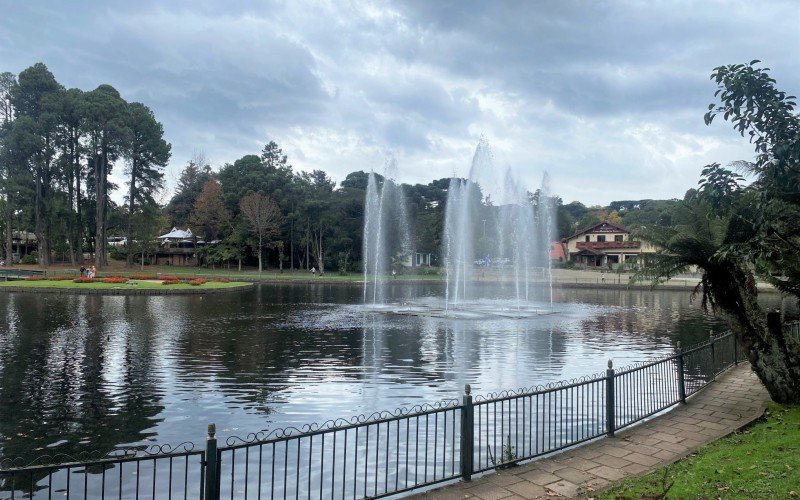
point(762, 461)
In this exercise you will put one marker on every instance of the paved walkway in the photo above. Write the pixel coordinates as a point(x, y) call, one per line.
point(734, 400)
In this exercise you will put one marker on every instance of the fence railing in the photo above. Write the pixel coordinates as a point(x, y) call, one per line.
point(156, 471)
point(388, 453)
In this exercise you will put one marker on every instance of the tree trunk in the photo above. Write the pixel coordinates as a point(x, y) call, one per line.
point(78, 212)
point(131, 205)
point(9, 231)
point(774, 357)
point(260, 251)
point(100, 212)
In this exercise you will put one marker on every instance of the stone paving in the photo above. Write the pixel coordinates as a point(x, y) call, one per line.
point(735, 399)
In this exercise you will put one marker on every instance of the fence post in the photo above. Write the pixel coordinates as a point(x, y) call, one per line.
point(467, 430)
point(713, 356)
point(610, 399)
point(735, 350)
point(212, 488)
point(681, 380)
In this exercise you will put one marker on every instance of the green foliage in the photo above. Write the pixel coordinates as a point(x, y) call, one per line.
point(757, 462)
point(30, 259)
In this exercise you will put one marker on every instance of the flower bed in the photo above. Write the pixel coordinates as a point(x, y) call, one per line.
point(171, 281)
point(61, 277)
point(222, 280)
point(115, 279)
point(197, 281)
point(84, 279)
point(169, 277)
point(35, 278)
point(143, 277)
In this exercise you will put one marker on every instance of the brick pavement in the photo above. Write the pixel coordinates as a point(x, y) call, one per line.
point(735, 399)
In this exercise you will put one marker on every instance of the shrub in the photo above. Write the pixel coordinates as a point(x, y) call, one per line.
point(197, 281)
point(35, 278)
point(61, 277)
point(169, 277)
point(222, 279)
point(171, 281)
point(115, 279)
point(84, 279)
point(143, 277)
point(31, 258)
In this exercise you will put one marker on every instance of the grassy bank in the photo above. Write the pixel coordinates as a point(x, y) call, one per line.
point(762, 461)
point(132, 284)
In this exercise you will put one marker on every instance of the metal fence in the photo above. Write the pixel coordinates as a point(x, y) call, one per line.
point(387, 453)
point(152, 472)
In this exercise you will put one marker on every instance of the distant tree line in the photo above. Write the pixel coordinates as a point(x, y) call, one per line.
point(58, 147)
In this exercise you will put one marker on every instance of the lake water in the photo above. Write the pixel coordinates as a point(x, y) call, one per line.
point(94, 372)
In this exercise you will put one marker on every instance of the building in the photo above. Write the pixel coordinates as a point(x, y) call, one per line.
point(605, 245)
point(178, 248)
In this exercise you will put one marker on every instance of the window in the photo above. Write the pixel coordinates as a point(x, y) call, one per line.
point(587, 237)
point(618, 237)
point(601, 237)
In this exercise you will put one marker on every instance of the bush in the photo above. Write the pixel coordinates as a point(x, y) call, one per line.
point(115, 279)
point(84, 279)
point(35, 278)
point(61, 277)
point(31, 258)
point(222, 279)
point(171, 281)
point(198, 281)
point(169, 277)
point(143, 277)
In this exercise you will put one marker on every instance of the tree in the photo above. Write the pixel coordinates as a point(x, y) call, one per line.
point(7, 82)
point(720, 227)
point(210, 214)
point(105, 114)
point(36, 97)
point(190, 184)
point(147, 153)
point(264, 217)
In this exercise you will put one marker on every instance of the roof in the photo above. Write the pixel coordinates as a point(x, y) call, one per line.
point(588, 251)
point(557, 251)
point(177, 234)
point(609, 225)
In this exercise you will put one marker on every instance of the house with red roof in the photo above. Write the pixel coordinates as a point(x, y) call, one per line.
point(605, 244)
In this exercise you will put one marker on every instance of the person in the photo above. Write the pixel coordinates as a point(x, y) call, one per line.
point(91, 272)
point(83, 270)
point(394, 273)
point(313, 271)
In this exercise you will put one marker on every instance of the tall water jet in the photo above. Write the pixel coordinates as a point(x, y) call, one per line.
point(521, 223)
point(387, 240)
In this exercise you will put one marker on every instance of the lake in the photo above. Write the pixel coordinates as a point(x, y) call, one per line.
point(88, 372)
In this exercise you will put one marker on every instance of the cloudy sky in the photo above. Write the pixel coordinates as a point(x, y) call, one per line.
point(608, 97)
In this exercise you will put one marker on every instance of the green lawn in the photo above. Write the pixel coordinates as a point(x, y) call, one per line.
point(762, 461)
point(245, 275)
point(139, 284)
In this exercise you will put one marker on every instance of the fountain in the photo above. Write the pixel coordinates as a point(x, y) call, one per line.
point(495, 232)
point(386, 234)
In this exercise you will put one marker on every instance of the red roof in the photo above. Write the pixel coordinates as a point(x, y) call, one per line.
point(599, 224)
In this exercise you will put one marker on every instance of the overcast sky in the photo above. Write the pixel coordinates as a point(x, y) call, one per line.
point(608, 97)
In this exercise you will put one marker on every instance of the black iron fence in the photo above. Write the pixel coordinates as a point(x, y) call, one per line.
point(388, 453)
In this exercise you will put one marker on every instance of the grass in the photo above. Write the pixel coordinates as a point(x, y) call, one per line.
point(139, 284)
point(762, 461)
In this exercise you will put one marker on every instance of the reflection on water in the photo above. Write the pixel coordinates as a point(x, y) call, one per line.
point(92, 373)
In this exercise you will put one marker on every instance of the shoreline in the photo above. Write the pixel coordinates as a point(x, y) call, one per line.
point(124, 290)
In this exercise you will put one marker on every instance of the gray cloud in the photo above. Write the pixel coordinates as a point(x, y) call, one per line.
point(608, 96)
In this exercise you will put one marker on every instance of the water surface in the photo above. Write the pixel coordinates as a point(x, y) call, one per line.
point(90, 372)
